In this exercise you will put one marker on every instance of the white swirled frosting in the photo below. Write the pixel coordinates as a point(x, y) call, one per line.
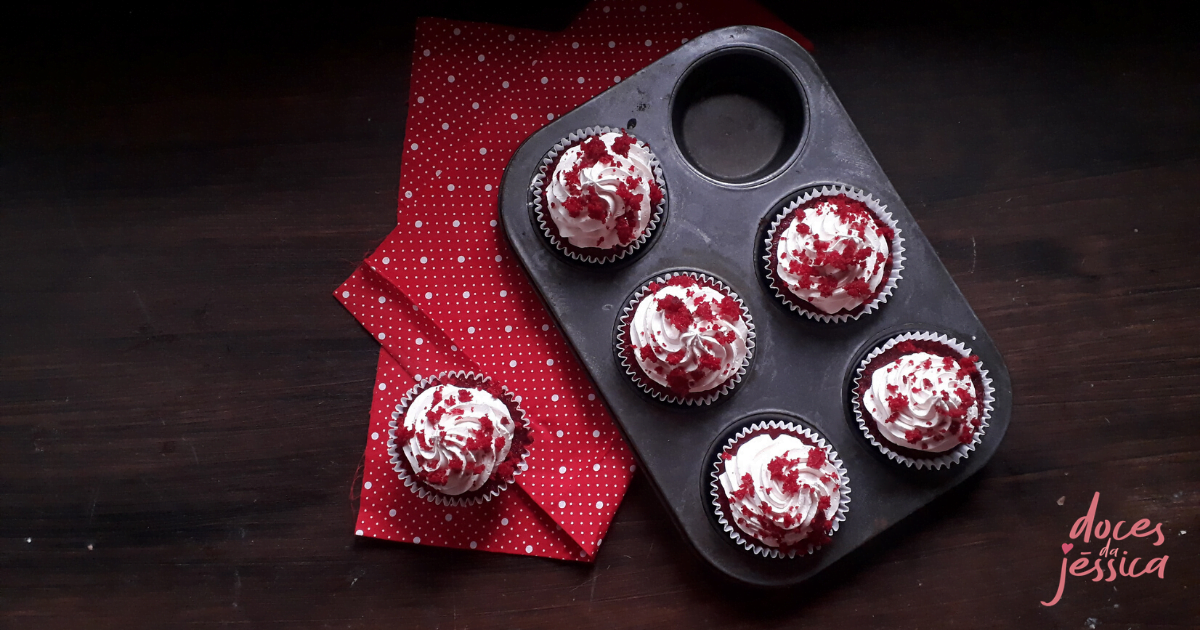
point(781, 491)
point(455, 437)
point(923, 402)
point(602, 192)
point(832, 254)
point(687, 336)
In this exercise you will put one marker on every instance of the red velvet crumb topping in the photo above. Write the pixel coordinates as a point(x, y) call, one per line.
point(682, 281)
point(678, 382)
point(784, 471)
point(621, 144)
point(745, 490)
point(816, 458)
point(730, 310)
point(675, 311)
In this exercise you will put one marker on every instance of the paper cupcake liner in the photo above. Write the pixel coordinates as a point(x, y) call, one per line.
point(897, 256)
point(755, 546)
point(541, 215)
point(400, 464)
point(942, 460)
point(657, 390)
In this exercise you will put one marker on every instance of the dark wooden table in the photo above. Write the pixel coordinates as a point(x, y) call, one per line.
point(183, 405)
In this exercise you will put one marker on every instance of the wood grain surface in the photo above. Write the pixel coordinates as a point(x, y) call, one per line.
point(183, 405)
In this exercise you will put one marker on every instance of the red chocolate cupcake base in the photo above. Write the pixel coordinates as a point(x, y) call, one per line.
point(626, 349)
point(930, 343)
point(505, 474)
point(720, 501)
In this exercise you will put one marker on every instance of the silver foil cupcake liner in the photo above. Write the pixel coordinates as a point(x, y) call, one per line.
point(947, 458)
point(657, 390)
point(896, 245)
point(755, 546)
point(541, 214)
point(401, 466)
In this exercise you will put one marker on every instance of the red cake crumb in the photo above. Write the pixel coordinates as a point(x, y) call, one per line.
point(858, 288)
point(682, 281)
point(481, 435)
point(625, 189)
point(675, 312)
point(896, 404)
point(730, 310)
point(507, 469)
point(626, 226)
point(784, 471)
point(594, 152)
point(621, 144)
point(745, 490)
point(678, 381)
point(465, 395)
point(710, 362)
point(437, 477)
point(656, 194)
point(816, 458)
point(587, 202)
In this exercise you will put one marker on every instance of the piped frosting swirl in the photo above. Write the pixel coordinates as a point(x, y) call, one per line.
point(782, 491)
point(833, 253)
point(602, 192)
point(687, 336)
point(455, 438)
point(924, 401)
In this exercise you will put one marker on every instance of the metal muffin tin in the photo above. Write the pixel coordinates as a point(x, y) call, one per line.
point(743, 121)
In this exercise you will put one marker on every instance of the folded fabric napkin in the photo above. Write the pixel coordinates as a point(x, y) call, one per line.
point(444, 291)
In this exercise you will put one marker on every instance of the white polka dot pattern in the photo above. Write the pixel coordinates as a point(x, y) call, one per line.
point(475, 86)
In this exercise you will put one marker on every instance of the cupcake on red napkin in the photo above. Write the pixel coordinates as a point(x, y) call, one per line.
point(458, 439)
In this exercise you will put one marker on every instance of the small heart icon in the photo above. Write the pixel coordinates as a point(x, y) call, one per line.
point(1067, 547)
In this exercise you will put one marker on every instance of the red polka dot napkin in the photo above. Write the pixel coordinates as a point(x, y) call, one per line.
point(444, 291)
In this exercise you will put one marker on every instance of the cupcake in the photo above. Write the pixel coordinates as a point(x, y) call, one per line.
point(598, 195)
point(779, 490)
point(922, 399)
point(685, 338)
point(834, 254)
point(458, 439)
